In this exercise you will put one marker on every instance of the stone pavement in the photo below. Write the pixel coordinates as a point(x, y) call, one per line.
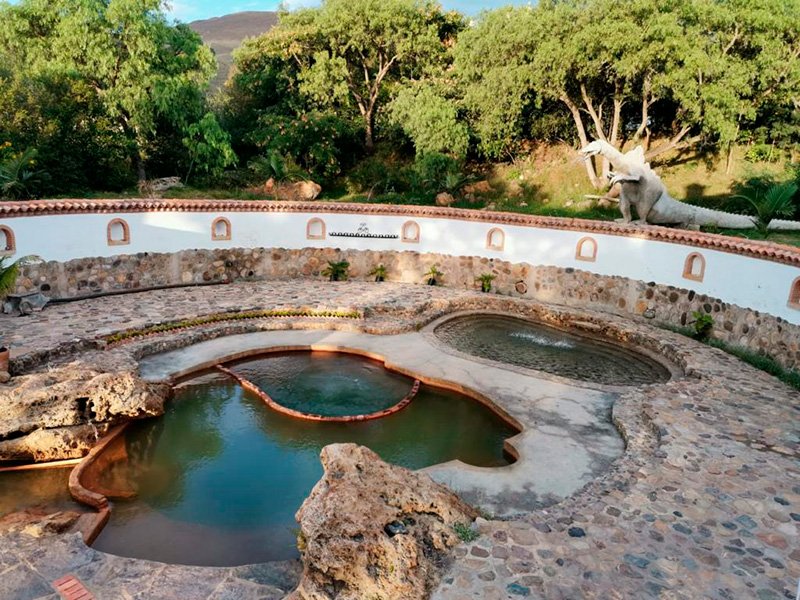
point(704, 502)
point(29, 565)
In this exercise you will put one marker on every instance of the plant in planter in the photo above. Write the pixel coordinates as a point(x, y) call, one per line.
point(433, 275)
point(379, 272)
point(8, 281)
point(703, 325)
point(336, 271)
point(486, 281)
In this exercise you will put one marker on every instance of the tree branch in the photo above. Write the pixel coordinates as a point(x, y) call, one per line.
point(576, 116)
point(672, 144)
point(598, 122)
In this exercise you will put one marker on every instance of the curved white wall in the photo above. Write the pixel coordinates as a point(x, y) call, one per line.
point(746, 281)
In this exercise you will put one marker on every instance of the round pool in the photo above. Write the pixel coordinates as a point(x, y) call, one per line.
point(532, 345)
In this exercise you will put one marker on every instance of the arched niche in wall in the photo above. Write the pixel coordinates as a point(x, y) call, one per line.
point(220, 230)
point(794, 294)
point(586, 250)
point(410, 232)
point(694, 267)
point(118, 233)
point(8, 243)
point(495, 239)
point(315, 229)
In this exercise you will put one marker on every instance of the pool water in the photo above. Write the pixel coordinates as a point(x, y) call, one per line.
point(37, 488)
point(326, 383)
point(527, 344)
point(220, 476)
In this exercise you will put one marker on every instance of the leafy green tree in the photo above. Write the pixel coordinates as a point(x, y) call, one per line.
point(743, 63)
point(347, 53)
point(431, 121)
point(493, 75)
point(687, 71)
point(139, 75)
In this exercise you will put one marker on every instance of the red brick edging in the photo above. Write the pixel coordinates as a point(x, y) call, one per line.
point(89, 497)
point(756, 249)
point(70, 587)
point(251, 387)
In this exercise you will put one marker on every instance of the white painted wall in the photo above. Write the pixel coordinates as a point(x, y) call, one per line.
point(749, 282)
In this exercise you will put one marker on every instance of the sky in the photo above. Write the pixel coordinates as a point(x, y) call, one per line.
point(191, 10)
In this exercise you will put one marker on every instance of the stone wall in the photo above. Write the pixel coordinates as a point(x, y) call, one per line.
point(567, 286)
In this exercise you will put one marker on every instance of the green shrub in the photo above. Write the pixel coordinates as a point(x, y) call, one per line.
point(465, 532)
point(486, 281)
point(775, 201)
point(376, 176)
point(762, 153)
point(437, 172)
point(703, 325)
point(337, 270)
point(18, 175)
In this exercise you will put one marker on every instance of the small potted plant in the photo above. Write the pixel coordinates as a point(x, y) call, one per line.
point(486, 281)
point(336, 271)
point(379, 272)
point(433, 275)
point(8, 281)
point(703, 325)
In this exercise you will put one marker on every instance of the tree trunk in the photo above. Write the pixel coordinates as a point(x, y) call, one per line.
point(369, 140)
point(141, 175)
point(576, 116)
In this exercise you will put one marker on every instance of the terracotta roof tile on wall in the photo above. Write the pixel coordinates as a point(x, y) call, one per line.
point(764, 250)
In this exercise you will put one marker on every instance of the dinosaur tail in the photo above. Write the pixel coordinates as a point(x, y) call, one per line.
point(722, 219)
point(782, 225)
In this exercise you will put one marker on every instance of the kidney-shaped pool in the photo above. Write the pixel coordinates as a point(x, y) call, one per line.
point(220, 476)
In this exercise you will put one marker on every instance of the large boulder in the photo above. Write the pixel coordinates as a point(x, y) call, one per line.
point(444, 199)
point(374, 530)
point(57, 414)
point(298, 191)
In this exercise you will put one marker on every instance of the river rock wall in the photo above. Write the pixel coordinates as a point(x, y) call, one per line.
point(666, 305)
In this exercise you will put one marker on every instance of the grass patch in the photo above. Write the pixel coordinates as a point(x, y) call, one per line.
point(762, 362)
point(223, 317)
point(465, 532)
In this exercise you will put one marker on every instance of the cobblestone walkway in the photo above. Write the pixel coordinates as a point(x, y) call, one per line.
point(87, 319)
point(705, 502)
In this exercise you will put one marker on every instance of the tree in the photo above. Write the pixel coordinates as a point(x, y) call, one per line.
point(744, 61)
point(493, 77)
point(348, 52)
point(687, 71)
point(430, 120)
point(137, 70)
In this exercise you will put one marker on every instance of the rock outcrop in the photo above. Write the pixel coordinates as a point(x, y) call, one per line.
point(298, 191)
point(374, 530)
point(444, 199)
point(60, 413)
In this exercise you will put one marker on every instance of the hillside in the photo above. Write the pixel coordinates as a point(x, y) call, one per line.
point(225, 34)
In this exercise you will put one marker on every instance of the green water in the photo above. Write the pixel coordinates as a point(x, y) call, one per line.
point(220, 476)
point(326, 383)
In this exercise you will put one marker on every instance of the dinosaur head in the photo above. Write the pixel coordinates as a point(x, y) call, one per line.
point(591, 149)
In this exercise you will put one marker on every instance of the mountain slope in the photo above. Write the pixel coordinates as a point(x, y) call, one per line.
point(225, 34)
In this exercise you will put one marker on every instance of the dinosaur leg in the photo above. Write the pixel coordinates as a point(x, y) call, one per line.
point(625, 209)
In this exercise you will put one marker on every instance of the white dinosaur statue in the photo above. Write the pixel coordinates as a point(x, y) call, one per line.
point(644, 190)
